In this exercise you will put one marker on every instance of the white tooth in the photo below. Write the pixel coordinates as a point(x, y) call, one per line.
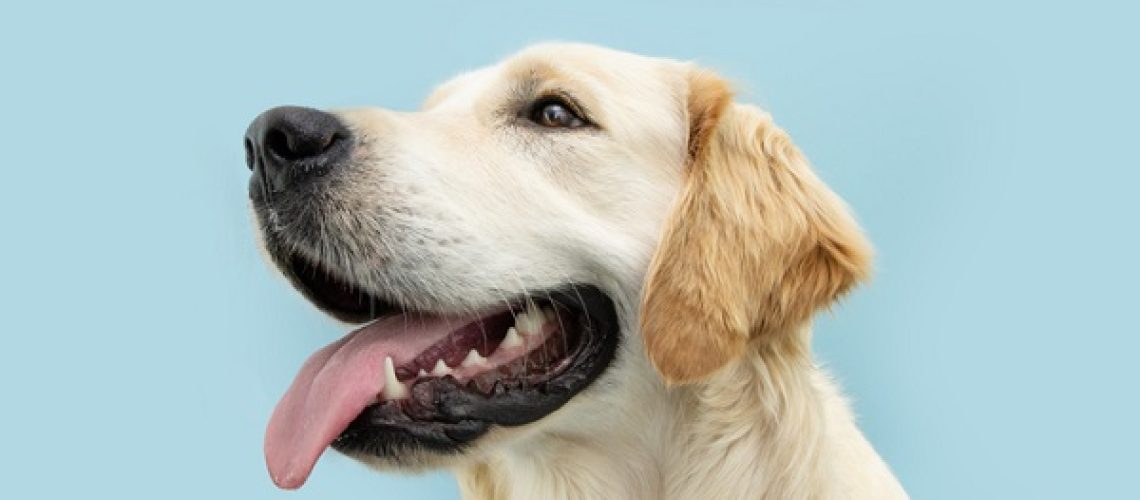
point(512, 339)
point(473, 359)
point(523, 323)
point(422, 373)
point(393, 389)
point(440, 369)
point(531, 321)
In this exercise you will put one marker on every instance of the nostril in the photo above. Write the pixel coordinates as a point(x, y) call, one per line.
point(297, 146)
point(249, 155)
point(278, 144)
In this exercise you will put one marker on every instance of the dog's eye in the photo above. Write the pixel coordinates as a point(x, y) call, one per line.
point(554, 113)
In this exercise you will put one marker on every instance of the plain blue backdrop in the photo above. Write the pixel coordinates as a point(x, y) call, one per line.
point(990, 150)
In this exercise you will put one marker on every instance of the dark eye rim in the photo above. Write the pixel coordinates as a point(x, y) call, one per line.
point(532, 113)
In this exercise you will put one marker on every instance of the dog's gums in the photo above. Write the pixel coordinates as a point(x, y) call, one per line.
point(495, 354)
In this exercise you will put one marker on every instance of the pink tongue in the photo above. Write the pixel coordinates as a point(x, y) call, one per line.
point(336, 384)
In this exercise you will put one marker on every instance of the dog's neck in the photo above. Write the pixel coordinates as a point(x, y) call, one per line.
point(756, 429)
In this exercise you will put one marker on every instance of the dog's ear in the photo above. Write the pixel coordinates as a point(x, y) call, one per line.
point(754, 245)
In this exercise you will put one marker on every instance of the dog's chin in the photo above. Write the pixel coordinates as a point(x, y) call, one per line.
point(511, 363)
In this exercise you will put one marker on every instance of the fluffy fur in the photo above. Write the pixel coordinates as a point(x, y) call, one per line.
point(695, 213)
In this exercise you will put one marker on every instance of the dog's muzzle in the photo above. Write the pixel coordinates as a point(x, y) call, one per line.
point(289, 145)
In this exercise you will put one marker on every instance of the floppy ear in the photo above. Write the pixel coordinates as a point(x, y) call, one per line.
point(755, 242)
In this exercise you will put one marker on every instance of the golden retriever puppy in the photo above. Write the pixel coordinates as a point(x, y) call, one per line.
point(580, 273)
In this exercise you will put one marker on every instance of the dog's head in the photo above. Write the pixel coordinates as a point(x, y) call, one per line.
point(521, 247)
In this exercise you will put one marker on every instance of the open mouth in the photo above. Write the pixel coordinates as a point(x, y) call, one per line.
point(418, 380)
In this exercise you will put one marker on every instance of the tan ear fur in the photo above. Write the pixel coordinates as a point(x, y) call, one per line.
point(755, 243)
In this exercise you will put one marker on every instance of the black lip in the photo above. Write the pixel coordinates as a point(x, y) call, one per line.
point(334, 295)
point(445, 416)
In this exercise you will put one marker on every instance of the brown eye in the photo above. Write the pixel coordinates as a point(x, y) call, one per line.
point(555, 114)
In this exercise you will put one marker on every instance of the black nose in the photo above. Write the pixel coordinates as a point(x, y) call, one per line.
point(287, 145)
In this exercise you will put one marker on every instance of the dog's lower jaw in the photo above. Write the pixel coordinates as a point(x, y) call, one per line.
point(773, 415)
point(607, 450)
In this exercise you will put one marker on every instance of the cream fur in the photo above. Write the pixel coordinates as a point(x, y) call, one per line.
point(456, 205)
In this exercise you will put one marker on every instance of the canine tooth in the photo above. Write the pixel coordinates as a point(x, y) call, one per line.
point(440, 369)
point(393, 388)
point(473, 359)
point(524, 325)
point(422, 373)
point(531, 321)
point(513, 339)
point(534, 311)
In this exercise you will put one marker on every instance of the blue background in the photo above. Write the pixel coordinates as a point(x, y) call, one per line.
point(989, 150)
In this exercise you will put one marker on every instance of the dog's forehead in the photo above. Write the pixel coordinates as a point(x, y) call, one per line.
point(608, 70)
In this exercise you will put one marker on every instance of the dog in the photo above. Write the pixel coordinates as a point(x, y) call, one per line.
point(581, 273)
